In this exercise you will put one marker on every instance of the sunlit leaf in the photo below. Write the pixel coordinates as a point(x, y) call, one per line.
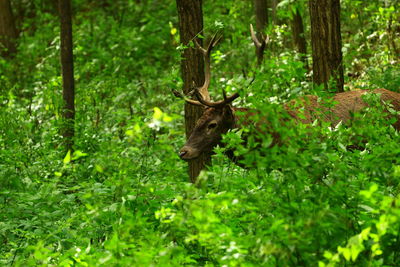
point(67, 158)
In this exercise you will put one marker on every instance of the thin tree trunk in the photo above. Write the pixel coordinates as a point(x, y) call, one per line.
point(392, 38)
point(67, 67)
point(192, 67)
point(326, 43)
point(8, 31)
point(274, 6)
point(299, 39)
point(261, 12)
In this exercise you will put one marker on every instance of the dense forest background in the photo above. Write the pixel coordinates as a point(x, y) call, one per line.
point(122, 197)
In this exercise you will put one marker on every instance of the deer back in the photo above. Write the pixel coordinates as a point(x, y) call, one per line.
point(338, 108)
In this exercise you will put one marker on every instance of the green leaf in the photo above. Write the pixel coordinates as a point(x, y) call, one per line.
point(99, 168)
point(67, 158)
point(78, 154)
point(173, 31)
point(328, 255)
point(345, 252)
point(157, 114)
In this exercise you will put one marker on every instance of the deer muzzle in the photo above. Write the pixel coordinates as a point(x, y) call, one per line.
point(188, 153)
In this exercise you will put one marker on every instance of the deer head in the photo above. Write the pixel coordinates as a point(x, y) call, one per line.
point(218, 117)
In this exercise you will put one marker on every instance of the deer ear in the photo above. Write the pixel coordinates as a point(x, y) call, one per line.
point(228, 110)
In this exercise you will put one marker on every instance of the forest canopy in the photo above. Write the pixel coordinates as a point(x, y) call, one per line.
point(91, 133)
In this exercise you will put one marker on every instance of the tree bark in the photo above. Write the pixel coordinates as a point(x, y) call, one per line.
point(8, 31)
point(299, 39)
point(274, 6)
point(190, 15)
point(326, 43)
point(67, 67)
point(261, 12)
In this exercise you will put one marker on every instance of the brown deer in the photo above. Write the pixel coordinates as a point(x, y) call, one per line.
point(220, 117)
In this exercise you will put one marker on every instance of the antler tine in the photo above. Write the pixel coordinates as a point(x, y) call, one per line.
point(207, 62)
point(257, 43)
point(224, 94)
point(202, 93)
point(213, 42)
point(188, 100)
point(218, 104)
point(266, 41)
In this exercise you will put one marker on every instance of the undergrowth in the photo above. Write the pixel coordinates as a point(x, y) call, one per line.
point(123, 197)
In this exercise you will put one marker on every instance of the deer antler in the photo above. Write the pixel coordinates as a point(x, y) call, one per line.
point(207, 62)
point(257, 43)
point(218, 104)
point(201, 93)
point(188, 100)
point(260, 45)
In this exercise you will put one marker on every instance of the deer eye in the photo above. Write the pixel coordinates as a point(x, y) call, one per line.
point(212, 125)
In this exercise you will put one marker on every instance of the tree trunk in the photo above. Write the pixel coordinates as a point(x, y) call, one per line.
point(274, 6)
point(67, 66)
point(8, 32)
point(261, 11)
point(392, 38)
point(326, 43)
point(299, 39)
point(192, 67)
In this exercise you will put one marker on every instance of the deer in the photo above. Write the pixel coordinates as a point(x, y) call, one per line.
point(219, 117)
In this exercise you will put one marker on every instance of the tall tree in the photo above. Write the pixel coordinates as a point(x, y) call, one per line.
point(261, 12)
point(190, 15)
point(67, 66)
point(326, 43)
point(8, 32)
point(299, 39)
point(274, 7)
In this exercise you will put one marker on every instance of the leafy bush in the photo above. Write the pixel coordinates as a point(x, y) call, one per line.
point(326, 196)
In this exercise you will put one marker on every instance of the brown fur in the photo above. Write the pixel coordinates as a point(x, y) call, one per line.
point(343, 106)
point(305, 110)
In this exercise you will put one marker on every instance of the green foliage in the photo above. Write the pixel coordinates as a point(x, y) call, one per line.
point(327, 196)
